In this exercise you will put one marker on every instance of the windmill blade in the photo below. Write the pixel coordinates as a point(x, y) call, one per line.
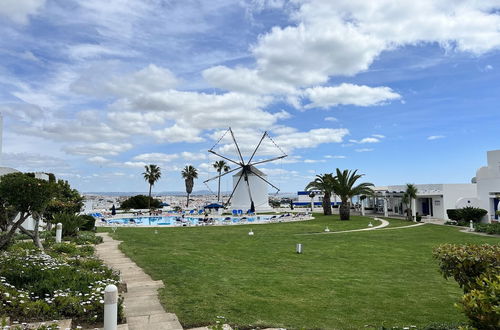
point(269, 183)
point(230, 160)
point(258, 145)
point(268, 160)
point(234, 189)
point(237, 147)
point(221, 175)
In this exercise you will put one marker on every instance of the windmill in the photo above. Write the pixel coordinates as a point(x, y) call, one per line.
point(247, 176)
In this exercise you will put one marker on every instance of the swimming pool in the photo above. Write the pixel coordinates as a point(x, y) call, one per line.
point(176, 220)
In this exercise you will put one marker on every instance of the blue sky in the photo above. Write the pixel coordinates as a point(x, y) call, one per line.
point(404, 91)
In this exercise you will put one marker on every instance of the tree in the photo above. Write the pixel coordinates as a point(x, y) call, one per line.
point(324, 183)
point(140, 202)
point(66, 200)
point(411, 192)
point(151, 175)
point(26, 196)
point(189, 173)
point(220, 166)
point(344, 187)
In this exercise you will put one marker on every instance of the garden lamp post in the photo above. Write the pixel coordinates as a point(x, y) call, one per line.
point(312, 194)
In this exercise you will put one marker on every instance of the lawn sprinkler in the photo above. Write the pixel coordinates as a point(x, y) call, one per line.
point(370, 224)
point(250, 233)
point(113, 228)
point(327, 230)
point(156, 231)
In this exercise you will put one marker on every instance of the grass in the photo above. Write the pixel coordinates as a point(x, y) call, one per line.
point(342, 281)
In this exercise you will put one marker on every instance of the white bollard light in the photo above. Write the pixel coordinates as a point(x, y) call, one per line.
point(250, 233)
point(298, 248)
point(59, 232)
point(110, 307)
point(327, 229)
point(471, 226)
point(370, 224)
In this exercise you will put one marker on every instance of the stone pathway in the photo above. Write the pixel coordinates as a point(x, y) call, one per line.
point(142, 306)
point(384, 223)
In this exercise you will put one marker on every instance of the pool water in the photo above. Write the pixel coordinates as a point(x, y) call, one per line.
point(173, 220)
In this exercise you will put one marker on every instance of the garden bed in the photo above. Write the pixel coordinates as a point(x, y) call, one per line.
point(64, 281)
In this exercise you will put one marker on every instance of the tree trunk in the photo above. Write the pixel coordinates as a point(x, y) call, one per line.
point(36, 238)
point(149, 199)
point(5, 239)
point(327, 205)
point(187, 201)
point(344, 210)
point(218, 190)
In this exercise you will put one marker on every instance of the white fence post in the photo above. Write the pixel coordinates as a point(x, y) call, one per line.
point(471, 226)
point(110, 307)
point(58, 232)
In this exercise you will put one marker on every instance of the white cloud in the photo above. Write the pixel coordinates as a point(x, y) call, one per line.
point(156, 157)
point(345, 94)
point(33, 162)
point(193, 155)
point(435, 137)
point(331, 119)
point(379, 136)
point(19, 11)
point(366, 140)
point(311, 161)
point(364, 150)
point(335, 157)
point(101, 148)
point(99, 160)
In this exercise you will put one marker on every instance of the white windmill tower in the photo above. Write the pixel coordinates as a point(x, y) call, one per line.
point(250, 185)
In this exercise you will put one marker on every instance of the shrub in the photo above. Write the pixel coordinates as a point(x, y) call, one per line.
point(489, 228)
point(139, 202)
point(481, 305)
point(466, 214)
point(465, 263)
point(476, 268)
point(86, 237)
point(70, 223)
point(472, 213)
point(453, 214)
point(88, 222)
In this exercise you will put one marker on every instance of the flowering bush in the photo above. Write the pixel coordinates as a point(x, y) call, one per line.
point(64, 282)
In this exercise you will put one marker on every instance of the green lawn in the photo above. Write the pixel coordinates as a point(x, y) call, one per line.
point(342, 281)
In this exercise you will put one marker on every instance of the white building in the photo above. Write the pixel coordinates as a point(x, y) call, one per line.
point(258, 189)
point(304, 198)
point(488, 185)
point(432, 199)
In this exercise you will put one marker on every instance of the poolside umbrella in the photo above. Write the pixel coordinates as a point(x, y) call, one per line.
point(252, 207)
point(213, 206)
point(113, 210)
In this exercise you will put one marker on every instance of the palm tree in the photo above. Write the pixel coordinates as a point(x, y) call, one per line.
point(411, 192)
point(189, 173)
point(151, 175)
point(220, 166)
point(344, 187)
point(324, 183)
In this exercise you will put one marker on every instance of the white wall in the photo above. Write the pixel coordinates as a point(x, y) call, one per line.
point(259, 190)
point(454, 192)
point(488, 182)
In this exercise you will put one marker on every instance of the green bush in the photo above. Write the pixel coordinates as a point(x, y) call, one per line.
point(482, 305)
point(472, 213)
point(139, 202)
point(476, 268)
point(86, 237)
point(88, 222)
point(466, 263)
point(70, 223)
point(453, 214)
point(466, 214)
point(489, 228)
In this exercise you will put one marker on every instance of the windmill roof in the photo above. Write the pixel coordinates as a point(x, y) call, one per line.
point(253, 169)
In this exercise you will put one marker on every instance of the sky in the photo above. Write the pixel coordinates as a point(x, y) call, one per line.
point(403, 91)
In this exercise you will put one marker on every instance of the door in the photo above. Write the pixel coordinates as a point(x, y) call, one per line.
point(425, 206)
point(495, 207)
